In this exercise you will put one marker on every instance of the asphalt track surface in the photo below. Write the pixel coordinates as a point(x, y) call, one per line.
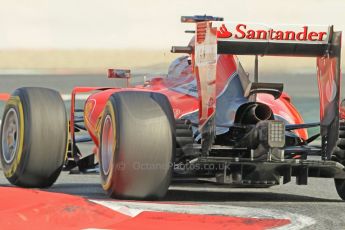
point(317, 200)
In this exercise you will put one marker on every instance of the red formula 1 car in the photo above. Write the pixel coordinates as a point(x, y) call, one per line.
point(203, 122)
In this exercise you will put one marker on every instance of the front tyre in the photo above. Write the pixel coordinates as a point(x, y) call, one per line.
point(34, 137)
point(137, 145)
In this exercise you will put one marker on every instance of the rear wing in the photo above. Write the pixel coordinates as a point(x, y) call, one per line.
point(260, 39)
point(321, 42)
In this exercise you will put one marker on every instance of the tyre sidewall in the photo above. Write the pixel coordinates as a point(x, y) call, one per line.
point(107, 180)
point(13, 169)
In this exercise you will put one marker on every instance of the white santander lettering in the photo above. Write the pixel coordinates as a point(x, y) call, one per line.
point(243, 31)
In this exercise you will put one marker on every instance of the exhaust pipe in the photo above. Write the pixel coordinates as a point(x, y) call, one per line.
point(253, 112)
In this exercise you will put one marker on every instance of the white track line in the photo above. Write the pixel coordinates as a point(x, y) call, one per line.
point(134, 208)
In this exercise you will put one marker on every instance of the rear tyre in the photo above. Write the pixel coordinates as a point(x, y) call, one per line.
point(34, 137)
point(340, 187)
point(339, 155)
point(339, 152)
point(137, 145)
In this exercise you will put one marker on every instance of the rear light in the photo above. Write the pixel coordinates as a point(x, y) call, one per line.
point(276, 134)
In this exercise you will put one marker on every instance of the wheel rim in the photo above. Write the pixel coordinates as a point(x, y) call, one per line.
point(10, 134)
point(108, 144)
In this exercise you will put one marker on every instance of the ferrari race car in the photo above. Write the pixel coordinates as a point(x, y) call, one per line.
point(204, 122)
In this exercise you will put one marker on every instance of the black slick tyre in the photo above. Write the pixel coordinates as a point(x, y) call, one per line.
point(340, 187)
point(34, 137)
point(339, 155)
point(137, 145)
